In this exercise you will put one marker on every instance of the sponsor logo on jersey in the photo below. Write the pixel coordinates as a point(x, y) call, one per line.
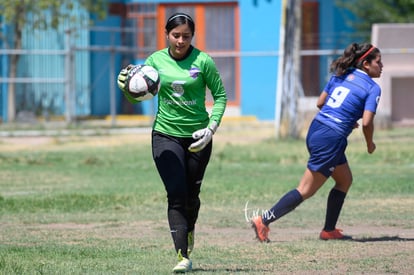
point(178, 88)
point(194, 72)
point(350, 77)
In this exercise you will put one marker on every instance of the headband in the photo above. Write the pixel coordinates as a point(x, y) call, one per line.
point(181, 14)
point(366, 54)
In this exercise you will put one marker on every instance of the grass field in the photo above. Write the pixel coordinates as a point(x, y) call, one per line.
point(95, 205)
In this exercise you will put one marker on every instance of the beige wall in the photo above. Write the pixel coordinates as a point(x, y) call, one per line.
point(397, 80)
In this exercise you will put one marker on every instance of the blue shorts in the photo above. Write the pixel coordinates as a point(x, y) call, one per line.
point(326, 148)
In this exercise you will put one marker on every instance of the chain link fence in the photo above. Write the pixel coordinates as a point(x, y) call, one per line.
point(60, 83)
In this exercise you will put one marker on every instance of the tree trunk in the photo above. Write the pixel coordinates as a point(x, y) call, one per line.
point(14, 59)
point(11, 103)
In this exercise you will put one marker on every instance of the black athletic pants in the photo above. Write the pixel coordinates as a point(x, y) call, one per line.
point(182, 173)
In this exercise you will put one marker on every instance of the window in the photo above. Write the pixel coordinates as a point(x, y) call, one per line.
point(216, 33)
point(145, 26)
point(310, 40)
point(221, 37)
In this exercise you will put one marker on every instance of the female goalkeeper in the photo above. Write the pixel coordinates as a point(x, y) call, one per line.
point(182, 131)
point(350, 94)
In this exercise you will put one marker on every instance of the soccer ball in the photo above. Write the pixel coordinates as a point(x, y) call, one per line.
point(143, 82)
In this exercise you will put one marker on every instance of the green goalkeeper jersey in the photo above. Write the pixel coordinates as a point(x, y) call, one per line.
point(182, 95)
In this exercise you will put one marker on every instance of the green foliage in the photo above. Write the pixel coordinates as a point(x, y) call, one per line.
point(368, 12)
point(42, 14)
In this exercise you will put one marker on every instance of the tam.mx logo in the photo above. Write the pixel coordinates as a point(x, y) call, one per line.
point(250, 213)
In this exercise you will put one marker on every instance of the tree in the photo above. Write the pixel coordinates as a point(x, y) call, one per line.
point(289, 85)
point(368, 12)
point(41, 15)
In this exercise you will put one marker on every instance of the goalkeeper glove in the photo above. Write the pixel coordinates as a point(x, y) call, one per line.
point(122, 77)
point(203, 137)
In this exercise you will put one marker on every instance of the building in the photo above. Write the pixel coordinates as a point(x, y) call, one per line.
point(244, 38)
point(396, 42)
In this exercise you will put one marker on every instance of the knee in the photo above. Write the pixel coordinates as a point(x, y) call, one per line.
point(344, 185)
point(176, 202)
point(193, 203)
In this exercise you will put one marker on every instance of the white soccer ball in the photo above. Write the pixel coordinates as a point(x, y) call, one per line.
point(143, 82)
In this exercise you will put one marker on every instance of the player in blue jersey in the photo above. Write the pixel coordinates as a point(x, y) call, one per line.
point(350, 94)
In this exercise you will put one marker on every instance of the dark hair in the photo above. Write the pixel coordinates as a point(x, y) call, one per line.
point(178, 19)
point(353, 57)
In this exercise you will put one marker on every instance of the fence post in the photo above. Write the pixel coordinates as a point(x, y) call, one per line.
point(68, 77)
point(4, 86)
point(112, 89)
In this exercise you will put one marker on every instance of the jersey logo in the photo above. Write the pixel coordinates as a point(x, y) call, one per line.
point(350, 77)
point(194, 72)
point(178, 88)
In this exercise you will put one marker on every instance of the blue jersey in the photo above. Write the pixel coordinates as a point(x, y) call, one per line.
point(348, 97)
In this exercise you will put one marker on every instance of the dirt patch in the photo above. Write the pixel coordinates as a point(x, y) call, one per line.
point(9, 144)
point(231, 134)
point(394, 245)
point(222, 237)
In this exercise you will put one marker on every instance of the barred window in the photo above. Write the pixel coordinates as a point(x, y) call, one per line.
point(216, 33)
point(144, 16)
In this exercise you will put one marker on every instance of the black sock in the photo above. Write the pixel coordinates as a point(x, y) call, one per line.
point(333, 209)
point(179, 230)
point(286, 204)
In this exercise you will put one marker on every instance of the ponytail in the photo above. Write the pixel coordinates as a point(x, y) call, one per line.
point(353, 57)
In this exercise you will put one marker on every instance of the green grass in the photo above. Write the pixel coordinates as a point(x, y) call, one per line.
point(75, 208)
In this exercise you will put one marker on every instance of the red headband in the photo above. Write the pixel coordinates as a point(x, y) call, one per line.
point(366, 54)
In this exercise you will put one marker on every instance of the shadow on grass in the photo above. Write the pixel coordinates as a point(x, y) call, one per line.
point(229, 270)
point(382, 239)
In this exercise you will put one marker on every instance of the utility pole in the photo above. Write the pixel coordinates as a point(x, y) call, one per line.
point(291, 88)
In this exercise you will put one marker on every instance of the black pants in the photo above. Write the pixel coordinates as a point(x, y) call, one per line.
point(182, 173)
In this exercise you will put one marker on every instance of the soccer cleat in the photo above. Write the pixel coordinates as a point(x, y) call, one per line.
point(184, 265)
point(190, 240)
point(261, 230)
point(333, 235)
